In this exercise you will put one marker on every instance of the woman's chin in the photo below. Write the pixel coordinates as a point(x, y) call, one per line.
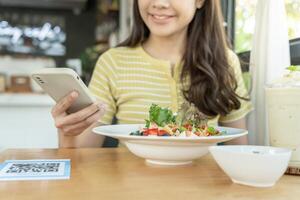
point(162, 33)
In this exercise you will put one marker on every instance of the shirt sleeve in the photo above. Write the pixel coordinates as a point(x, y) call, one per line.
point(102, 86)
point(241, 90)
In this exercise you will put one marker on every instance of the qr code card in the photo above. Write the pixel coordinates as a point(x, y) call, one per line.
point(35, 169)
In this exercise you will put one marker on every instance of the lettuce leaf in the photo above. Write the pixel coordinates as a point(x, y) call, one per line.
point(160, 116)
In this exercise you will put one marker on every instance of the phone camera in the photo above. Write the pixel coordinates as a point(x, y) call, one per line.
point(39, 80)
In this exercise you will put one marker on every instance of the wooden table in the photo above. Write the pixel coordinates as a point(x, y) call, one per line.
point(117, 174)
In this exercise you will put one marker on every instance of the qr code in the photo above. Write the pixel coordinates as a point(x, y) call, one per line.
point(33, 168)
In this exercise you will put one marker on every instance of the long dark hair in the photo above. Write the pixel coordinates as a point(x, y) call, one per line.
point(212, 83)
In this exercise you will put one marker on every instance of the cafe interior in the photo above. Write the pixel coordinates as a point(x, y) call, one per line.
point(37, 34)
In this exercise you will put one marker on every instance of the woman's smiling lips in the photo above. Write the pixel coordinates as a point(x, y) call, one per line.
point(161, 18)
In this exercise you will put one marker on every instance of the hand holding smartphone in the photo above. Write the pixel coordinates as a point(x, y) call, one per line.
point(74, 112)
point(59, 82)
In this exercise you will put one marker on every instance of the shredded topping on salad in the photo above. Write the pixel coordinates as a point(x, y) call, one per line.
point(188, 122)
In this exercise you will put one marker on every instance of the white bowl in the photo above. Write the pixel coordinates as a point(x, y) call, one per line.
point(258, 166)
point(163, 150)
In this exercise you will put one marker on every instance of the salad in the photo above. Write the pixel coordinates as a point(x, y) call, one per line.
point(188, 122)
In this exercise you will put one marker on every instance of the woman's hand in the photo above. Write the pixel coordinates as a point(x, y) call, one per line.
point(75, 123)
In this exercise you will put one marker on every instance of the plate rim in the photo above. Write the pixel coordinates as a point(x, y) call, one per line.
point(134, 137)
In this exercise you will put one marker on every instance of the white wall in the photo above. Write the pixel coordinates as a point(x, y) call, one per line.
point(26, 122)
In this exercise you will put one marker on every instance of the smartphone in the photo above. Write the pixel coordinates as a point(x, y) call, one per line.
point(59, 82)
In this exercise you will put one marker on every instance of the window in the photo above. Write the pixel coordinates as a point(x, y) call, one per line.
point(245, 22)
point(293, 13)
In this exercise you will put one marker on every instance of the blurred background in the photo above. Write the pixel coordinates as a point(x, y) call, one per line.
point(73, 33)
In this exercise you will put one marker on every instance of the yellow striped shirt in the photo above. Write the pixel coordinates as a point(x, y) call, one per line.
point(129, 80)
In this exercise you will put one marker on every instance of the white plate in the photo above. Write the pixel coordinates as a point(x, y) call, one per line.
point(164, 150)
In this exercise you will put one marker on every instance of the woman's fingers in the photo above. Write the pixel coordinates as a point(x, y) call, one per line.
point(79, 127)
point(75, 123)
point(64, 104)
point(80, 115)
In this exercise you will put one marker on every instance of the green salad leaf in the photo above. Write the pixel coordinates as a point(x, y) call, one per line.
point(160, 116)
point(211, 130)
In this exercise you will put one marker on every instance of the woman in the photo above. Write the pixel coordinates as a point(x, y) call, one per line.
point(176, 52)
